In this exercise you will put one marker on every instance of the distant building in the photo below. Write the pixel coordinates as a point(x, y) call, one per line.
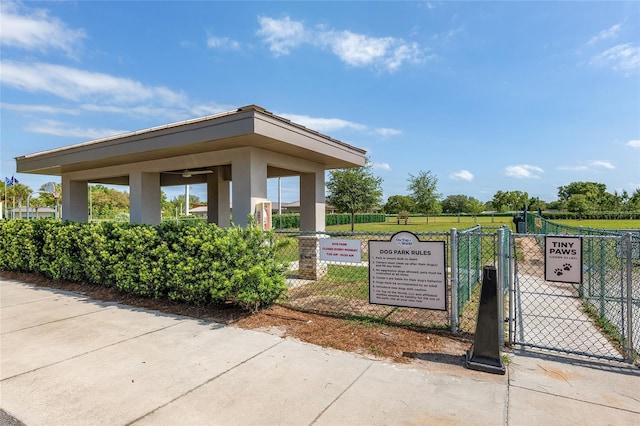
point(34, 213)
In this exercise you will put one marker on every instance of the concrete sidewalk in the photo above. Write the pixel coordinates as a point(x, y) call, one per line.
point(68, 360)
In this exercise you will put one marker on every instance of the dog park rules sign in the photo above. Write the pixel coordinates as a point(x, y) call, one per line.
point(408, 272)
point(563, 259)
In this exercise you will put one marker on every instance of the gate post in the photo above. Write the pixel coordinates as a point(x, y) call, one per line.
point(629, 241)
point(512, 290)
point(500, 278)
point(454, 280)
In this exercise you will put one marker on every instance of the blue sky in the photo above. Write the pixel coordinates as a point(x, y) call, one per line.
point(488, 96)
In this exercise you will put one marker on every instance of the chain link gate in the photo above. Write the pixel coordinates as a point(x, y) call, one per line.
point(599, 317)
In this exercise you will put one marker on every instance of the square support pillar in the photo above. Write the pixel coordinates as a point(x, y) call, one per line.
point(310, 267)
point(249, 177)
point(75, 203)
point(218, 199)
point(145, 205)
point(312, 201)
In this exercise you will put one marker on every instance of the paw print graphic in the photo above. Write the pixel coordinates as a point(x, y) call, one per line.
point(558, 271)
point(566, 266)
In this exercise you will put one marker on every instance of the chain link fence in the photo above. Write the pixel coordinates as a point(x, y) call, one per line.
point(600, 315)
point(475, 248)
point(341, 288)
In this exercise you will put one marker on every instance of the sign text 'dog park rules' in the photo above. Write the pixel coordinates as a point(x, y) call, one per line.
point(408, 272)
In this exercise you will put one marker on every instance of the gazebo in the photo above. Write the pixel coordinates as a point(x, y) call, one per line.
point(246, 146)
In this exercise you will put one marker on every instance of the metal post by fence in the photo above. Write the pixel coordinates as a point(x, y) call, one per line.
point(469, 266)
point(603, 275)
point(512, 290)
point(629, 244)
point(500, 290)
point(454, 280)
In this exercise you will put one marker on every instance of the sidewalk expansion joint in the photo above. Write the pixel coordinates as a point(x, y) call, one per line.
point(54, 321)
point(217, 376)
point(341, 393)
point(579, 400)
point(28, 303)
point(91, 351)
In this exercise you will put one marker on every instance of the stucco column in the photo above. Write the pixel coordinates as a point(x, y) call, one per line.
point(312, 205)
point(145, 205)
point(218, 199)
point(249, 177)
point(75, 202)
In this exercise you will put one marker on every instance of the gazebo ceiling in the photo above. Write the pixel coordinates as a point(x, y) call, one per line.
point(249, 126)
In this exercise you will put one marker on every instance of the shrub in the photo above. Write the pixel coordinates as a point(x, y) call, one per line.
point(194, 261)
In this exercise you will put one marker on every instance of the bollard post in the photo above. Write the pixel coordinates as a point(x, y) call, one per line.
point(484, 355)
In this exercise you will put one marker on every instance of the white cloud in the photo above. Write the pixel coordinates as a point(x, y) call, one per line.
point(600, 164)
point(358, 50)
point(222, 43)
point(320, 124)
point(595, 165)
point(323, 124)
point(622, 57)
point(281, 34)
point(382, 166)
point(48, 109)
point(524, 171)
point(605, 34)
point(462, 175)
point(76, 84)
point(383, 131)
point(57, 128)
point(34, 29)
point(634, 143)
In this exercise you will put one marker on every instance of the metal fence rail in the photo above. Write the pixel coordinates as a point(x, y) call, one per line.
point(597, 317)
point(342, 288)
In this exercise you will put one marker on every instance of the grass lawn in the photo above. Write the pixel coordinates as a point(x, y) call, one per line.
point(445, 223)
point(603, 223)
point(419, 224)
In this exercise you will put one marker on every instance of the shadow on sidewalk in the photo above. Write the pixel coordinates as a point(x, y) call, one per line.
point(437, 357)
point(617, 367)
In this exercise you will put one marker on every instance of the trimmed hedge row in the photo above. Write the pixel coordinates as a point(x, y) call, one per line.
point(287, 221)
point(592, 216)
point(194, 262)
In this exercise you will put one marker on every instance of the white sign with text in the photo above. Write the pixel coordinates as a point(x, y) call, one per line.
point(408, 272)
point(337, 250)
point(563, 259)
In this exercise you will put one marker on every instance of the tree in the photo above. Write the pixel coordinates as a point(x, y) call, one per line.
point(474, 206)
point(595, 194)
point(633, 205)
point(557, 205)
point(17, 194)
point(176, 204)
point(423, 190)
point(579, 203)
point(107, 202)
point(509, 200)
point(461, 204)
point(397, 203)
point(354, 190)
point(48, 199)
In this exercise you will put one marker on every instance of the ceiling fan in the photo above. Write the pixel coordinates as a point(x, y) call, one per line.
point(186, 173)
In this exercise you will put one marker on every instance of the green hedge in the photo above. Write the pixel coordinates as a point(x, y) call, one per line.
point(592, 216)
point(288, 221)
point(192, 261)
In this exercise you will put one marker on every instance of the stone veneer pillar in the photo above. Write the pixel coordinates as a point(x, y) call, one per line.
point(310, 267)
